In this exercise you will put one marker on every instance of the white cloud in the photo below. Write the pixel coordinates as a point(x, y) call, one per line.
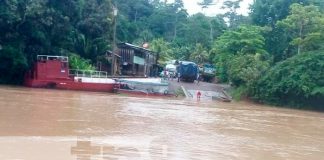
point(192, 7)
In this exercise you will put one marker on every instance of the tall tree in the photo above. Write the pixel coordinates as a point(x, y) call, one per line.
point(199, 55)
point(234, 19)
point(305, 25)
point(206, 3)
point(198, 29)
point(243, 41)
point(318, 3)
point(268, 12)
point(163, 50)
point(133, 17)
point(93, 32)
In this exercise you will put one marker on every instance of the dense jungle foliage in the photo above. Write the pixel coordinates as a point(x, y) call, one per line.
point(273, 55)
point(298, 81)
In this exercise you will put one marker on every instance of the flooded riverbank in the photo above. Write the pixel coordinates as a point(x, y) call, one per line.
point(38, 124)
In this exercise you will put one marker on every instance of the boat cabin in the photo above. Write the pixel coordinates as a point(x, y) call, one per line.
point(50, 67)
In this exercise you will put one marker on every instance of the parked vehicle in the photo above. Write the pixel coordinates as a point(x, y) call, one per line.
point(188, 71)
point(208, 72)
point(171, 67)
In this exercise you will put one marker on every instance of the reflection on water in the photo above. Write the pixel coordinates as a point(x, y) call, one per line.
point(38, 124)
point(84, 150)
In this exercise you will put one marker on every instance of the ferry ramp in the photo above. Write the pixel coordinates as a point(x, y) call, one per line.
point(209, 91)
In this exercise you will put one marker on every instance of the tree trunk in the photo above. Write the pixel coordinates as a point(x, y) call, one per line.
point(135, 18)
point(301, 37)
point(175, 28)
point(211, 32)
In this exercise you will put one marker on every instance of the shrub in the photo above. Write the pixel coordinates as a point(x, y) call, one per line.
point(244, 71)
point(298, 81)
point(77, 62)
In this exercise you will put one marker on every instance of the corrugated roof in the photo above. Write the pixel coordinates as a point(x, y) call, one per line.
point(135, 47)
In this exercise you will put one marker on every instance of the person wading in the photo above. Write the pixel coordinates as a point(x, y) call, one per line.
point(198, 95)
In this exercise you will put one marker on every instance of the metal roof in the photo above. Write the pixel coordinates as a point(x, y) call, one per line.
point(187, 62)
point(128, 45)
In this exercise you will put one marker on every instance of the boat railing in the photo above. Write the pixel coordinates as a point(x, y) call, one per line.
point(49, 57)
point(88, 73)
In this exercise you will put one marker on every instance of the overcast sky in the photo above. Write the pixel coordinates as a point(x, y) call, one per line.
point(192, 7)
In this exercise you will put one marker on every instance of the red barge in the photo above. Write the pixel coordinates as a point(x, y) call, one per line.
point(53, 72)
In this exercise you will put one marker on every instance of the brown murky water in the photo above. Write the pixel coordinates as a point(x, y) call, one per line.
point(39, 124)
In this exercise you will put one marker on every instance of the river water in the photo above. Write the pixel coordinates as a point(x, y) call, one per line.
point(40, 124)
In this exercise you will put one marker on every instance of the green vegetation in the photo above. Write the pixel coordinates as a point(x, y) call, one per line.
point(76, 62)
point(246, 40)
point(298, 81)
point(273, 55)
point(46, 27)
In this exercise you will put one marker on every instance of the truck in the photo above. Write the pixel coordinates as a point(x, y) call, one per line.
point(208, 72)
point(188, 71)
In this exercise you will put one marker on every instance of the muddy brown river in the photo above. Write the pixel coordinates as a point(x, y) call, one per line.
point(40, 124)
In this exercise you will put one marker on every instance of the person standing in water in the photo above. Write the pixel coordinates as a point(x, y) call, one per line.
point(198, 95)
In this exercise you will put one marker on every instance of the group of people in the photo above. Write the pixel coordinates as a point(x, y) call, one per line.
point(170, 75)
point(167, 75)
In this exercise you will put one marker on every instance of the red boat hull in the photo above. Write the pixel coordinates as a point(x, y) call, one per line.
point(71, 85)
point(53, 72)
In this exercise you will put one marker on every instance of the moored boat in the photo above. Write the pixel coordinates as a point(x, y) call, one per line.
point(54, 72)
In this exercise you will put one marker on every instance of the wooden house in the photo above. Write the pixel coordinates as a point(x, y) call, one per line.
point(137, 61)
